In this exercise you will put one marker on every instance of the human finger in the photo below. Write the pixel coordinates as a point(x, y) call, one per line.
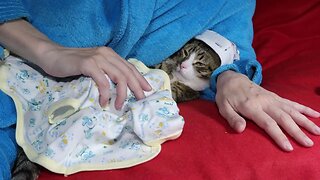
point(143, 82)
point(303, 109)
point(132, 82)
point(270, 126)
point(284, 120)
point(121, 94)
point(130, 76)
point(233, 118)
point(302, 120)
point(134, 85)
point(91, 69)
point(117, 77)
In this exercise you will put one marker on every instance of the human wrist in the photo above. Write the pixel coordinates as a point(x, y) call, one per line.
point(43, 50)
point(21, 38)
point(225, 75)
point(229, 76)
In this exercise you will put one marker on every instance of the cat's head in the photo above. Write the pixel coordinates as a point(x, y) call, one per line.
point(196, 62)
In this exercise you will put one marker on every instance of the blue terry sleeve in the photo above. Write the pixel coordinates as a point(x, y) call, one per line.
point(8, 151)
point(238, 28)
point(1, 53)
point(11, 10)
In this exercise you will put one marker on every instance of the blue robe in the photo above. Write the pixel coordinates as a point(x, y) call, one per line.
point(149, 30)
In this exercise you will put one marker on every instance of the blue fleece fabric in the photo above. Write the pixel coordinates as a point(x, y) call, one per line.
point(8, 151)
point(8, 145)
point(148, 30)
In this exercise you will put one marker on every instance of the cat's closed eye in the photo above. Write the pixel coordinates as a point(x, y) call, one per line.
point(190, 69)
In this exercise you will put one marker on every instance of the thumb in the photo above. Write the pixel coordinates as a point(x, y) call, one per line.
point(235, 121)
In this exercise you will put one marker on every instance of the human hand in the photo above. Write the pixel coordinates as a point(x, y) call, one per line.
point(96, 62)
point(238, 98)
point(26, 41)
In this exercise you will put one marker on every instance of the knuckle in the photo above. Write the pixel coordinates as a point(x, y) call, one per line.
point(223, 111)
point(305, 123)
point(299, 106)
point(282, 117)
point(222, 107)
point(129, 74)
point(233, 119)
point(120, 79)
point(249, 102)
point(103, 84)
point(296, 132)
point(132, 68)
point(268, 125)
point(87, 63)
point(291, 111)
point(128, 71)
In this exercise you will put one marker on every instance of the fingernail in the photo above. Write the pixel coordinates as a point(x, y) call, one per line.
point(288, 146)
point(308, 142)
point(239, 126)
point(104, 106)
point(119, 107)
point(317, 130)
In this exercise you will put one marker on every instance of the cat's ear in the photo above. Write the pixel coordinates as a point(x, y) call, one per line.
point(181, 92)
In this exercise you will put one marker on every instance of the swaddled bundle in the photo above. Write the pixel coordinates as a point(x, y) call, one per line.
point(62, 127)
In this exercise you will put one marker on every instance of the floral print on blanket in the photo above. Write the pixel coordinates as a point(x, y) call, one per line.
point(62, 127)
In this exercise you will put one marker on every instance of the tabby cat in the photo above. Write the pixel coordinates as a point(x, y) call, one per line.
point(23, 168)
point(190, 69)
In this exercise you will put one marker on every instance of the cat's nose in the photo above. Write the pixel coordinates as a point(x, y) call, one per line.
point(183, 66)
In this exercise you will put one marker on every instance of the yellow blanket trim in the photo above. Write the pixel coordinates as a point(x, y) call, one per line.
point(50, 164)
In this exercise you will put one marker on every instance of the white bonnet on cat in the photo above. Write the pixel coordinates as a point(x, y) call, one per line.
point(226, 50)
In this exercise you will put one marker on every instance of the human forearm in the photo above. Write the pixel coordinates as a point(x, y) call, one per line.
point(23, 39)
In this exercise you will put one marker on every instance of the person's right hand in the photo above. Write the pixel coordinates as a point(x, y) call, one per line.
point(96, 63)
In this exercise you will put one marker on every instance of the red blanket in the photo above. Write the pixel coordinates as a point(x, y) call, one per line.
point(287, 42)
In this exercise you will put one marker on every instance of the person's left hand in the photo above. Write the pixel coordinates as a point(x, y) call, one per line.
point(237, 96)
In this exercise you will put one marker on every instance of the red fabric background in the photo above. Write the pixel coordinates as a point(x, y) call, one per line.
point(287, 42)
